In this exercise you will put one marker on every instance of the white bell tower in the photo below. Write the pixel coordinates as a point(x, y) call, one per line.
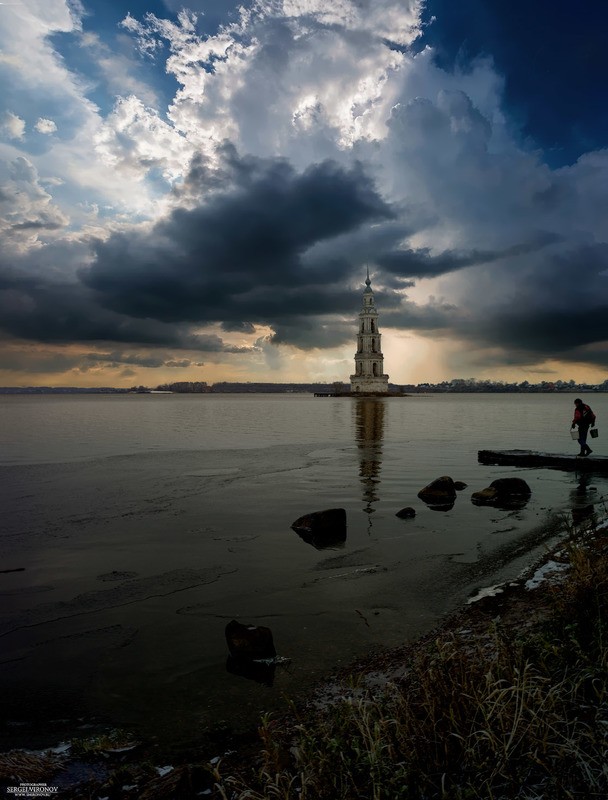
point(369, 374)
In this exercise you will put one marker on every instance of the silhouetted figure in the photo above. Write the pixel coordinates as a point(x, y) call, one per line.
point(585, 419)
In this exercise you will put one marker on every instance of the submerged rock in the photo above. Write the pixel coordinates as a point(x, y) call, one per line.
point(406, 513)
point(503, 492)
point(249, 641)
point(322, 528)
point(440, 493)
point(459, 485)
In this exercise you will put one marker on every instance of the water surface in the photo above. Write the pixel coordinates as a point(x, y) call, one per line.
point(136, 526)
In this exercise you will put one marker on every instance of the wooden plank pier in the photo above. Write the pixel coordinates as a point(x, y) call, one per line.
point(533, 458)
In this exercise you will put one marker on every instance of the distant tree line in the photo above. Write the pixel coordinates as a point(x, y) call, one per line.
point(455, 385)
point(473, 385)
point(185, 387)
point(462, 385)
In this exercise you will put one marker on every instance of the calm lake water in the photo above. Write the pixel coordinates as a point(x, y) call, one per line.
point(136, 526)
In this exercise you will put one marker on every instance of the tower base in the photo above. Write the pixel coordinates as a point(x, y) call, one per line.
point(360, 384)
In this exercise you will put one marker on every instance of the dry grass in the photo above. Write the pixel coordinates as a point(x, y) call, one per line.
point(21, 766)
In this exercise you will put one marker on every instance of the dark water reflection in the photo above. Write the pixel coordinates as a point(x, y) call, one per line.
point(583, 497)
point(369, 433)
point(256, 671)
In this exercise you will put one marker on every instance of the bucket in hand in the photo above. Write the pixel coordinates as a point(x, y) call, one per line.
point(574, 434)
point(594, 433)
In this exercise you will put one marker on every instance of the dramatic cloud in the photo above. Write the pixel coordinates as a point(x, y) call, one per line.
point(237, 257)
point(217, 177)
point(26, 207)
point(422, 263)
point(49, 362)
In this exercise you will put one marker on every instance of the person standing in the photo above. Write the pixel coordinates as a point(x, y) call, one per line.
point(585, 419)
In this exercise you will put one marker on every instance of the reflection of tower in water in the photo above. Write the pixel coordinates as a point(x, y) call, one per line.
point(369, 431)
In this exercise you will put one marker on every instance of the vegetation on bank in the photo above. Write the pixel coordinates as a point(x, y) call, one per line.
point(512, 705)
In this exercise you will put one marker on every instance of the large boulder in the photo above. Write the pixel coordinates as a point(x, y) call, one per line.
point(504, 493)
point(322, 528)
point(249, 641)
point(440, 492)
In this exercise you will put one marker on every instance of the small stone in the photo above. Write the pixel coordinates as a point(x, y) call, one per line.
point(406, 513)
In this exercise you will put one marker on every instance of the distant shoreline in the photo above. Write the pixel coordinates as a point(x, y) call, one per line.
point(320, 389)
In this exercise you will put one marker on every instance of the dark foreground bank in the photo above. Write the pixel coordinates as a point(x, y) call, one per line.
point(508, 698)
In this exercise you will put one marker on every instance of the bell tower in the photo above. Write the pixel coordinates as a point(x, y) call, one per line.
point(369, 374)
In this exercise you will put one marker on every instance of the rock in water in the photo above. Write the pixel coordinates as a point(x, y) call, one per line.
point(249, 641)
point(441, 492)
point(406, 513)
point(322, 528)
point(503, 492)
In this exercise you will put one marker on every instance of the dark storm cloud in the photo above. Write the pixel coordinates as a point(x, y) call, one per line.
point(549, 305)
point(556, 307)
point(148, 360)
point(45, 223)
point(36, 361)
point(32, 362)
point(311, 332)
point(436, 316)
point(35, 308)
point(237, 258)
point(548, 332)
point(560, 305)
point(552, 54)
point(238, 327)
point(421, 264)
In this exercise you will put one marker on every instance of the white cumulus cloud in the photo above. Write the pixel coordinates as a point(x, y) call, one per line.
point(28, 216)
point(13, 126)
point(44, 125)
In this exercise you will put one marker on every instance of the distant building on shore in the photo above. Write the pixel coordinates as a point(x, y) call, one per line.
point(369, 374)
